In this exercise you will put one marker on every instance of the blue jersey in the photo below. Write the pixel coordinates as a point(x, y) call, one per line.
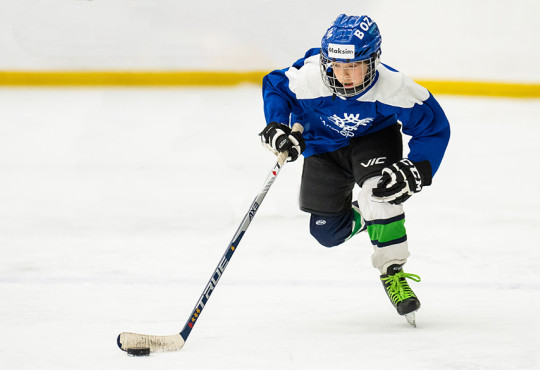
point(298, 94)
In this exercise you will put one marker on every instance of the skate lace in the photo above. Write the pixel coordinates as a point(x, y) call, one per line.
point(398, 288)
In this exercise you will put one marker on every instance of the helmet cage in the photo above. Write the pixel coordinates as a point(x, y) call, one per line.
point(330, 80)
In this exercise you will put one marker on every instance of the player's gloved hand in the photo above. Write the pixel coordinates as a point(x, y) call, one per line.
point(401, 180)
point(278, 137)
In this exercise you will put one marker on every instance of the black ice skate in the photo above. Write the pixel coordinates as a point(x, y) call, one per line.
point(399, 292)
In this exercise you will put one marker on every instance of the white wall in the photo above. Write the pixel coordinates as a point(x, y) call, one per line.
point(461, 39)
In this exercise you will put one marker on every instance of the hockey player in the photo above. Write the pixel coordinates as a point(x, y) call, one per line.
point(353, 109)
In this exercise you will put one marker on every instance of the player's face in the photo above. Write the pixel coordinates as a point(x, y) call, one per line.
point(350, 74)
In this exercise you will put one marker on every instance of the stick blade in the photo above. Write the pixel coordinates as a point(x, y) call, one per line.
point(156, 343)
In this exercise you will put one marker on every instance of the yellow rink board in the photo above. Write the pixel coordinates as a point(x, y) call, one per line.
point(231, 78)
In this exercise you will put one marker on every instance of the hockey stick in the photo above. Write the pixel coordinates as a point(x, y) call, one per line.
point(158, 343)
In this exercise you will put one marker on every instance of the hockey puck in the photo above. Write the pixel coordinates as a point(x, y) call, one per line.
point(145, 351)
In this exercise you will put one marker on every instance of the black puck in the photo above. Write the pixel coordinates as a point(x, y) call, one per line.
point(145, 351)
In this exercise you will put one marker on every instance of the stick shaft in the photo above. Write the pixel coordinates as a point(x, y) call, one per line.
point(231, 248)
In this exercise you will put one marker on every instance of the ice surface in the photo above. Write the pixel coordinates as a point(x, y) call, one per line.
point(116, 205)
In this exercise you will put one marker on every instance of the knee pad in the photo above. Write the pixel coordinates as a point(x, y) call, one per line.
point(331, 231)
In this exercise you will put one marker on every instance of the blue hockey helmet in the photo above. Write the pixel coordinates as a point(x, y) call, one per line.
point(351, 40)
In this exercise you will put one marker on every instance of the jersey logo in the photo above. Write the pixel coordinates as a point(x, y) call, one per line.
point(347, 125)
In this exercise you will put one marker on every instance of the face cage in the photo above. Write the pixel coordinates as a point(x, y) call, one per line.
point(330, 80)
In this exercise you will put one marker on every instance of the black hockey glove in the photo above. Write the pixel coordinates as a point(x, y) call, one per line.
point(401, 180)
point(277, 138)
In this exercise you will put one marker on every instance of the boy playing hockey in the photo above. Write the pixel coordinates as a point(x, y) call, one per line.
point(353, 110)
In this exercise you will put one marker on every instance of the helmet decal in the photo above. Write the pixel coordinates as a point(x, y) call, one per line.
point(340, 51)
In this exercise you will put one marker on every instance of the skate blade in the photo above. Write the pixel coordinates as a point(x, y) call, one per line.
point(411, 319)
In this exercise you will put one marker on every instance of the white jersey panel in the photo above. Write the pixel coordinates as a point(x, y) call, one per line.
point(306, 82)
point(395, 89)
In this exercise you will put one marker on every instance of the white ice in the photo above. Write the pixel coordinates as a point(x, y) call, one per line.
point(117, 204)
